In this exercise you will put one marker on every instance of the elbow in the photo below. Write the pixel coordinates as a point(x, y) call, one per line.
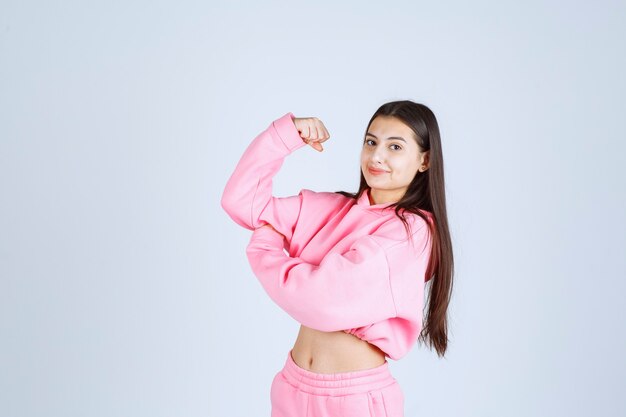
point(227, 201)
point(228, 206)
point(233, 208)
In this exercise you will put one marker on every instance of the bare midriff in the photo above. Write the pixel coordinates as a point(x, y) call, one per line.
point(332, 352)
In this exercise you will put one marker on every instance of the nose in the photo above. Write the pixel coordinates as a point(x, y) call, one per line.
point(378, 157)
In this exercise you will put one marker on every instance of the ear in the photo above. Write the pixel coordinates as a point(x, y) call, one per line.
point(425, 159)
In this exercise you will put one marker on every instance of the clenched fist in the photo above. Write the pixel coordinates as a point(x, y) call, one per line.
point(312, 131)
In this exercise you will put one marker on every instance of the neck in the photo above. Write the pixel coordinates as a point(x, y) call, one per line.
point(379, 196)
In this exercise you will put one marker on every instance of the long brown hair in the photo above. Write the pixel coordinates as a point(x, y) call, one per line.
point(425, 192)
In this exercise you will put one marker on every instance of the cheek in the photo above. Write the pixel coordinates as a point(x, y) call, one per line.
point(405, 169)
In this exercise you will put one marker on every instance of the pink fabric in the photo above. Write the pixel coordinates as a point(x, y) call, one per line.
point(297, 392)
point(349, 265)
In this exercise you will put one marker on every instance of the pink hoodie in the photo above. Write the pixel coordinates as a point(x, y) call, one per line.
point(349, 267)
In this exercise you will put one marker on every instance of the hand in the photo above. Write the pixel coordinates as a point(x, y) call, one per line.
point(272, 227)
point(312, 131)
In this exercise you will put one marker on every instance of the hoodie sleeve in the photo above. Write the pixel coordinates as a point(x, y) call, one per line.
point(247, 196)
point(376, 279)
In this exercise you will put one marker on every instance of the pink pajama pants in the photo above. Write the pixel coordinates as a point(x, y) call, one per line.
point(298, 392)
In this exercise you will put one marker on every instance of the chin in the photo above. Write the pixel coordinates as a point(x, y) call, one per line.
point(379, 186)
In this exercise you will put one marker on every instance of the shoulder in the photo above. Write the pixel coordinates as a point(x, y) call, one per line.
point(323, 197)
point(393, 224)
point(319, 207)
point(394, 234)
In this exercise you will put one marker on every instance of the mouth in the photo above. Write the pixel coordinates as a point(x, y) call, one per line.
point(376, 171)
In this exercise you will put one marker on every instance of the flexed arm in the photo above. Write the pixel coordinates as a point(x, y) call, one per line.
point(247, 196)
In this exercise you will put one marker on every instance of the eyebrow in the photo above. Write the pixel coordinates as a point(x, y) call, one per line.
point(389, 138)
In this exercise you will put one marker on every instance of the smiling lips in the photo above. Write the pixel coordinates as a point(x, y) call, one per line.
point(374, 171)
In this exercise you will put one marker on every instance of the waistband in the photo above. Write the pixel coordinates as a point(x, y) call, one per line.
point(337, 384)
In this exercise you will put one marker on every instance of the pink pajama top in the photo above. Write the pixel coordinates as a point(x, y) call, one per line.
point(334, 263)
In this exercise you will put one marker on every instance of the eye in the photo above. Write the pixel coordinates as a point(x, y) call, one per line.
point(399, 147)
point(368, 140)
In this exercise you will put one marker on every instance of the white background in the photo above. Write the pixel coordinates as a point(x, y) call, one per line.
point(124, 287)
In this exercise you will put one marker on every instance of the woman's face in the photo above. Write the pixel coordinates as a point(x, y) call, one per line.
point(390, 147)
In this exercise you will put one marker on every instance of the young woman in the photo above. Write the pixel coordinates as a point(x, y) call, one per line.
point(357, 264)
